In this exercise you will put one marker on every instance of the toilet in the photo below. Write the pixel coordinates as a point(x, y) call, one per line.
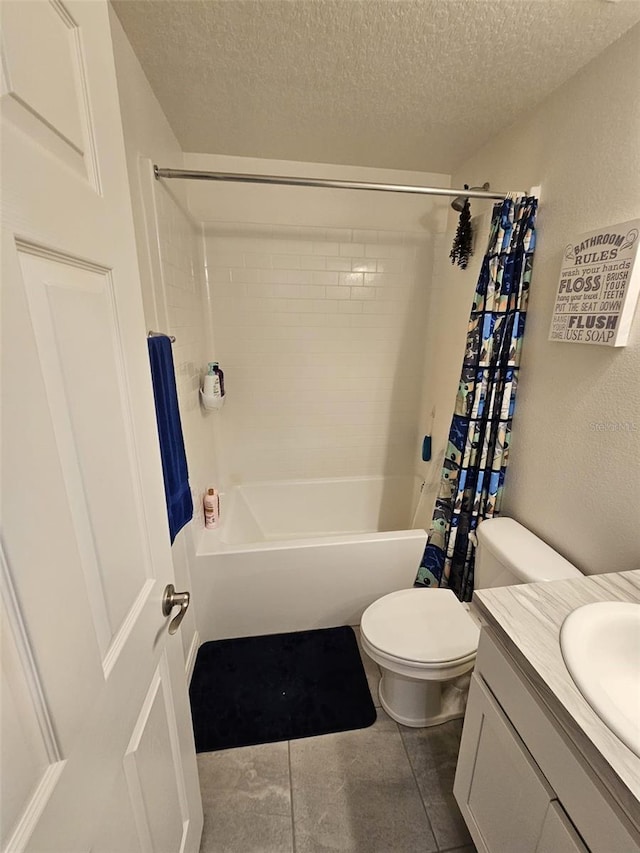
point(425, 640)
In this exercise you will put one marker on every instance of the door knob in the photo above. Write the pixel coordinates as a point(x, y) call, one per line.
point(172, 599)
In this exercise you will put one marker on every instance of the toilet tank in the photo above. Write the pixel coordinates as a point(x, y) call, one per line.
point(508, 553)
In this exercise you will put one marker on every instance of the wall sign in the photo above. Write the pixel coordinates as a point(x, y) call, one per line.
point(598, 287)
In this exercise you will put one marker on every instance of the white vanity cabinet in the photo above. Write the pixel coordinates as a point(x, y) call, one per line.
point(521, 786)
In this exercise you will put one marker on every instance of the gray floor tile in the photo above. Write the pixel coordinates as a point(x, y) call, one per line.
point(433, 753)
point(468, 848)
point(371, 668)
point(246, 800)
point(230, 833)
point(355, 792)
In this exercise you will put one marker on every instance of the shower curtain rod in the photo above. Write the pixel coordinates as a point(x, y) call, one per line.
point(320, 182)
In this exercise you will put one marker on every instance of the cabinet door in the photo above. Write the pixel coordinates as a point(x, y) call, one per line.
point(502, 795)
point(558, 834)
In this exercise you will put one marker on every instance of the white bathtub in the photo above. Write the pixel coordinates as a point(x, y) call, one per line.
point(301, 554)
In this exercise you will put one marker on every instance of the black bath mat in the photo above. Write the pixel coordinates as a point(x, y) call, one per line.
point(278, 687)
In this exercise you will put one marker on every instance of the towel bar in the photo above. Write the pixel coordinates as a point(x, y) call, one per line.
point(152, 334)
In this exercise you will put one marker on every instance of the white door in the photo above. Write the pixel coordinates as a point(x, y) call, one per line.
point(97, 748)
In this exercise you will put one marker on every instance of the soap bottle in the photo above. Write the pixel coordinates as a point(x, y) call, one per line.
point(217, 369)
point(211, 509)
point(212, 384)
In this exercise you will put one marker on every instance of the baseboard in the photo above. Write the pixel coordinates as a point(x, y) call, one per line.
point(191, 657)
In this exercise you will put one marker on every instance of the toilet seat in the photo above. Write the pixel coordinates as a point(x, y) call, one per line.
point(421, 629)
point(389, 660)
point(425, 642)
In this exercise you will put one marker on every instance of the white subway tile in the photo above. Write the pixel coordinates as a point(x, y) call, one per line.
point(311, 233)
point(365, 236)
point(350, 307)
point(234, 290)
point(363, 292)
point(246, 276)
point(304, 247)
point(339, 264)
point(286, 262)
point(257, 261)
point(274, 276)
point(351, 279)
point(286, 305)
point(385, 250)
point(389, 265)
point(337, 292)
point(363, 265)
point(221, 274)
point(394, 238)
point(262, 289)
point(377, 279)
point(327, 278)
point(177, 296)
point(299, 276)
point(374, 321)
point(225, 259)
point(323, 306)
point(297, 291)
point(339, 235)
point(385, 306)
point(326, 248)
point(352, 250)
point(331, 321)
point(313, 262)
point(291, 246)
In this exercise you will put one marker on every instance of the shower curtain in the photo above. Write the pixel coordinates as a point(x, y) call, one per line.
point(477, 452)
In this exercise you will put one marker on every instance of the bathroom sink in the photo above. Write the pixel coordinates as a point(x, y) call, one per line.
point(600, 645)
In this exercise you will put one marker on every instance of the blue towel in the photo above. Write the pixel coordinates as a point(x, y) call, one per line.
point(174, 459)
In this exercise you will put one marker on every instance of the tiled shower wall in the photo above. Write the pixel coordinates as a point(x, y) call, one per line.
point(321, 335)
point(180, 314)
point(450, 300)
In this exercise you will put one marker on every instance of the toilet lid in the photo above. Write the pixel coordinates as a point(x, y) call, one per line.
point(421, 625)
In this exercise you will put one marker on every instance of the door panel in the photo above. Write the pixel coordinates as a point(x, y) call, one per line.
point(71, 304)
point(121, 834)
point(47, 98)
point(95, 715)
point(27, 741)
point(46, 564)
point(153, 782)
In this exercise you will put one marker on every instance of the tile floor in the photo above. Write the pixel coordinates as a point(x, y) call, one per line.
point(385, 789)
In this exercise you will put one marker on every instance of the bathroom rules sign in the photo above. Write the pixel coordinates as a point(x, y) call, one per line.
point(598, 287)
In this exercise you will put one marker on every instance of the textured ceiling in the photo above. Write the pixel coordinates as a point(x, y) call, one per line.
point(407, 84)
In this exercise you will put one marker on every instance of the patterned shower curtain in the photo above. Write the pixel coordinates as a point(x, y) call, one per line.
point(477, 452)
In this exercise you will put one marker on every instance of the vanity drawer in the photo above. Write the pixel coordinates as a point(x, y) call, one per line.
point(602, 823)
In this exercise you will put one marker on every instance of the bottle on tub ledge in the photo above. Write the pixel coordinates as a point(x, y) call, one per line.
point(211, 509)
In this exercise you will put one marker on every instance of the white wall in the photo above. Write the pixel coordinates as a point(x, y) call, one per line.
point(318, 308)
point(574, 485)
point(171, 270)
point(318, 388)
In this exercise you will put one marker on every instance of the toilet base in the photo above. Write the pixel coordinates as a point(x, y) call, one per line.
point(420, 704)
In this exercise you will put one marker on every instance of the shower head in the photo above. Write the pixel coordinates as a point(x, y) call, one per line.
point(459, 201)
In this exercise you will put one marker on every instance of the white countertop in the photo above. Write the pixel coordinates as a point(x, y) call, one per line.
point(527, 618)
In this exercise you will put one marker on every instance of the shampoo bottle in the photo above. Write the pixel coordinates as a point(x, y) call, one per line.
point(211, 509)
point(212, 386)
point(220, 375)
